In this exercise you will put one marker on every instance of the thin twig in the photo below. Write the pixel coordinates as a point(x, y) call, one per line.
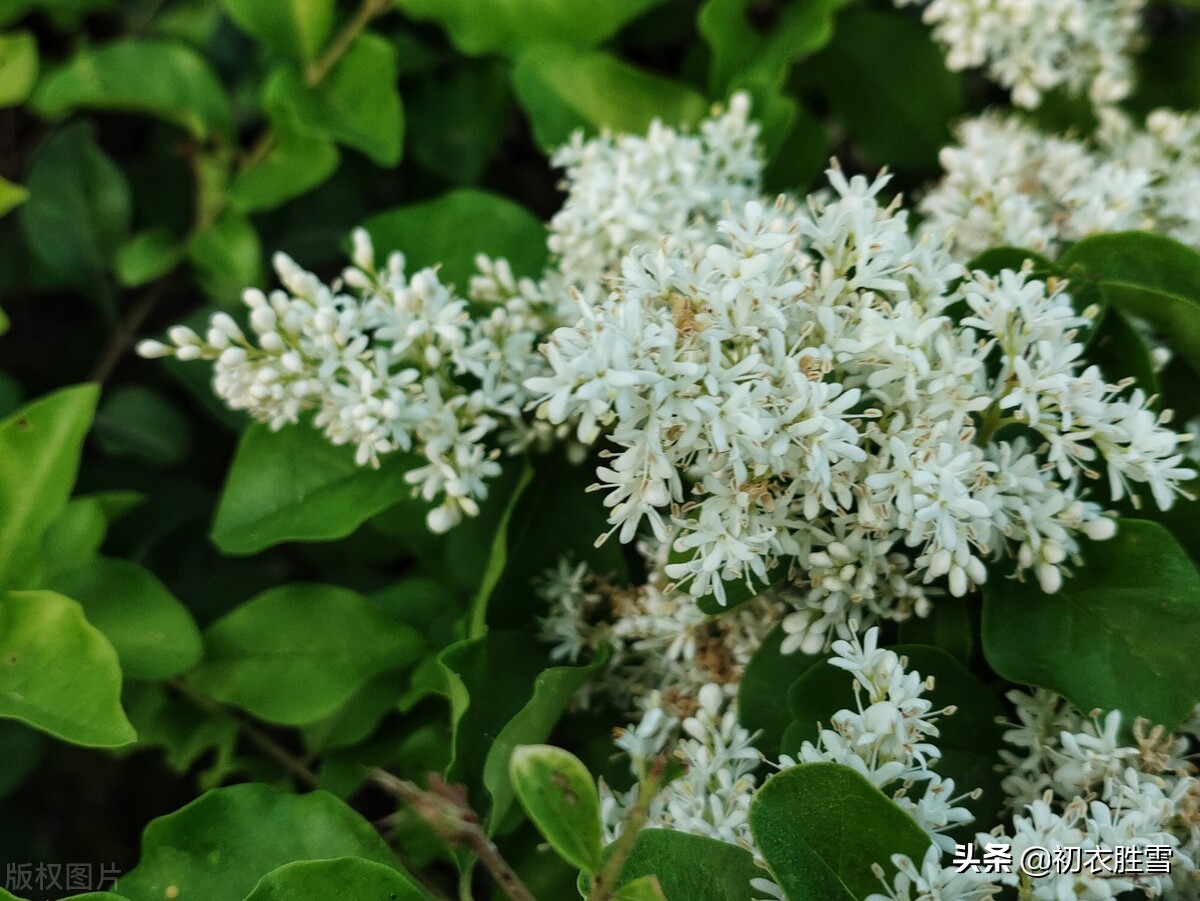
point(127, 330)
point(444, 807)
point(256, 736)
point(333, 54)
point(604, 883)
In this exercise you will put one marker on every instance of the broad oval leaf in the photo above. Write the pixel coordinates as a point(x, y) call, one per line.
point(821, 827)
point(224, 842)
point(294, 654)
point(1121, 634)
point(40, 446)
point(560, 796)
point(340, 877)
point(58, 673)
point(691, 867)
point(296, 29)
point(154, 635)
point(18, 66)
point(762, 688)
point(163, 78)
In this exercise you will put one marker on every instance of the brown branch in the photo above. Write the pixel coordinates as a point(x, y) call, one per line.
point(127, 330)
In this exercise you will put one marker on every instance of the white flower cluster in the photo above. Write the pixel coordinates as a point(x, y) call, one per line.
point(1006, 184)
point(795, 390)
point(1031, 47)
point(659, 639)
point(385, 361)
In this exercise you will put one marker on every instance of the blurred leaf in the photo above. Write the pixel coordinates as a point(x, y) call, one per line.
point(759, 692)
point(296, 29)
point(40, 446)
point(559, 795)
point(158, 77)
point(66, 14)
point(355, 720)
point(644, 888)
point(294, 485)
point(58, 673)
point(344, 877)
point(821, 828)
point(294, 654)
point(357, 104)
point(1121, 352)
point(691, 867)
point(457, 122)
point(1119, 635)
point(888, 84)
point(191, 739)
point(562, 90)
point(18, 67)
point(457, 226)
point(141, 423)
point(78, 210)
point(75, 535)
point(21, 750)
point(508, 27)
point(146, 256)
point(227, 256)
point(948, 626)
point(153, 634)
point(224, 842)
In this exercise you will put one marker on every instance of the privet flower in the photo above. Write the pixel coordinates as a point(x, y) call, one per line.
point(1034, 46)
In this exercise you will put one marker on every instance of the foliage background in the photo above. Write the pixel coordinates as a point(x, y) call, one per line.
point(154, 153)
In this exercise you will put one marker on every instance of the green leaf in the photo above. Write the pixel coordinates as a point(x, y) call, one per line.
point(497, 559)
point(821, 826)
point(146, 256)
point(192, 740)
point(21, 750)
point(1119, 635)
point(644, 888)
point(357, 104)
point(74, 537)
point(766, 677)
point(40, 446)
point(224, 842)
point(341, 877)
point(454, 228)
point(294, 654)
point(997, 259)
point(888, 85)
point(58, 673)
point(562, 90)
point(11, 197)
point(1121, 352)
point(154, 635)
point(479, 27)
point(949, 626)
point(293, 485)
point(458, 122)
point(141, 423)
point(692, 867)
point(296, 29)
point(157, 77)
point(78, 210)
point(559, 795)
point(18, 66)
point(227, 256)
point(1148, 276)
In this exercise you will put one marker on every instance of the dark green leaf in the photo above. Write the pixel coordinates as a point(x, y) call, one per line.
point(227, 256)
point(692, 867)
point(294, 654)
point(458, 122)
point(760, 706)
point(224, 842)
point(58, 673)
point(455, 227)
point(821, 827)
point(141, 423)
point(562, 90)
point(146, 256)
point(559, 795)
point(341, 877)
point(1119, 635)
point(158, 77)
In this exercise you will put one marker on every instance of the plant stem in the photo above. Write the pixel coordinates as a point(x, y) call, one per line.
point(604, 883)
point(321, 66)
point(444, 807)
point(127, 330)
point(253, 734)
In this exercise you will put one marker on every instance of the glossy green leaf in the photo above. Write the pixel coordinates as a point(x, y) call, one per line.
point(764, 681)
point(821, 827)
point(357, 104)
point(74, 537)
point(40, 446)
point(227, 257)
point(692, 867)
point(341, 877)
point(293, 485)
point(18, 66)
point(58, 673)
point(562, 91)
point(146, 256)
point(11, 197)
point(158, 77)
point(294, 654)
point(1120, 634)
point(78, 210)
point(644, 888)
point(224, 842)
point(453, 228)
point(154, 635)
point(559, 795)
point(1148, 276)
point(143, 424)
point(297, 29)
point(510, 26)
